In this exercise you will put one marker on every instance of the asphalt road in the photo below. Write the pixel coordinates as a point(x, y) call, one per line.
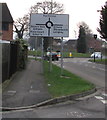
point(87, 108)
point(92, 72)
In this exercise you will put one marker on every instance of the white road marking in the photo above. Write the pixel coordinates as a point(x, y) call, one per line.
point(101, 69)
point(105, 94)
point(11, 91)
point(102, 99)
point(99, 97)
point(77, 114)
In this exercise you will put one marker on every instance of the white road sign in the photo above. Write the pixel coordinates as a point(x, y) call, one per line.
point(49, 25)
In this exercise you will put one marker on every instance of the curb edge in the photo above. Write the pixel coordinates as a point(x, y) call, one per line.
point(53, 101)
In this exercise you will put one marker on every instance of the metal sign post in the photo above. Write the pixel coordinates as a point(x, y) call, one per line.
point(42, 52)
point(50, 57)
point(50, 25)
point(61, 56)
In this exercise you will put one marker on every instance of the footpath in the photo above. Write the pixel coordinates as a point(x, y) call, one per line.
point(26, 88)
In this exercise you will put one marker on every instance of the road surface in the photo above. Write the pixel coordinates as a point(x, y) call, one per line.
point(87, 108)
point(92, 72)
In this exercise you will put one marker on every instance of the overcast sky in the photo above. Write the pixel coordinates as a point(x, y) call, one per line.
point(78, 10)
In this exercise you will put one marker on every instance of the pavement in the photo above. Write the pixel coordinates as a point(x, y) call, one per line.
point(26, 88)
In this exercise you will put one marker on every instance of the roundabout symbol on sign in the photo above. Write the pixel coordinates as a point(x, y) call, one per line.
point(48, 24)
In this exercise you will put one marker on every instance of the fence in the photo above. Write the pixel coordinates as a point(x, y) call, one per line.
point(5, 61)
point(14, 57)
point(9, 59)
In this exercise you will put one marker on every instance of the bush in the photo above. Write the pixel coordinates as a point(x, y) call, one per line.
point(22, 54)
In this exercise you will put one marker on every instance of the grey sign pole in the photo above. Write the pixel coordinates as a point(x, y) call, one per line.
point(50, 57)
point(61, 56)
point(42, 52)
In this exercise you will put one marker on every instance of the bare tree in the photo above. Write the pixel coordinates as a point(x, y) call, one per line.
point(21, 25)
point(47, 7)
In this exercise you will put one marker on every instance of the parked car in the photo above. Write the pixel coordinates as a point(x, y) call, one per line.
point(54, 56)
point(97, 55)
point(58, 53)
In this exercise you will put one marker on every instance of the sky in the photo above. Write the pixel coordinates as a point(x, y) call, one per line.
point(78, 10)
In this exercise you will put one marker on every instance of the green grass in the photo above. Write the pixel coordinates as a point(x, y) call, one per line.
point(99, 61)
point(65, 54)
point(34, 53)
point(66, 85)
point(75, 54)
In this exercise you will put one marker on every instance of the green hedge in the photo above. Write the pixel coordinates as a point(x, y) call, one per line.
point(22, 54)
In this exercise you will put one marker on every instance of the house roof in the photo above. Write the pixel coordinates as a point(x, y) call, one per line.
point(71, 41)
point(6, 15)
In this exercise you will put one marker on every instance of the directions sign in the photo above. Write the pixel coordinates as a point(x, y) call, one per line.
point(49, 25)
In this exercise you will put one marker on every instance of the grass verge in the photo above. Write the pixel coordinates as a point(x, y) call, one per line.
point(84, 55)
point(65, 54)
point(34, 53)
point(67, 84)
point(99, 61)
point(75, 54)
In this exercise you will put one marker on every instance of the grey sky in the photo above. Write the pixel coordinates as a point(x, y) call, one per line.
point(78, 10)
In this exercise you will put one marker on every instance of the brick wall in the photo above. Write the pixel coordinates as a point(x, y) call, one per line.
point(8, 35)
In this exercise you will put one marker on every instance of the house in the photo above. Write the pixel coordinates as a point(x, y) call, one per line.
point(6, 23)
point(71, 44)
point(94, 45)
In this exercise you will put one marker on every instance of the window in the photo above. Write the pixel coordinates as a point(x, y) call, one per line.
point(5, 26)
